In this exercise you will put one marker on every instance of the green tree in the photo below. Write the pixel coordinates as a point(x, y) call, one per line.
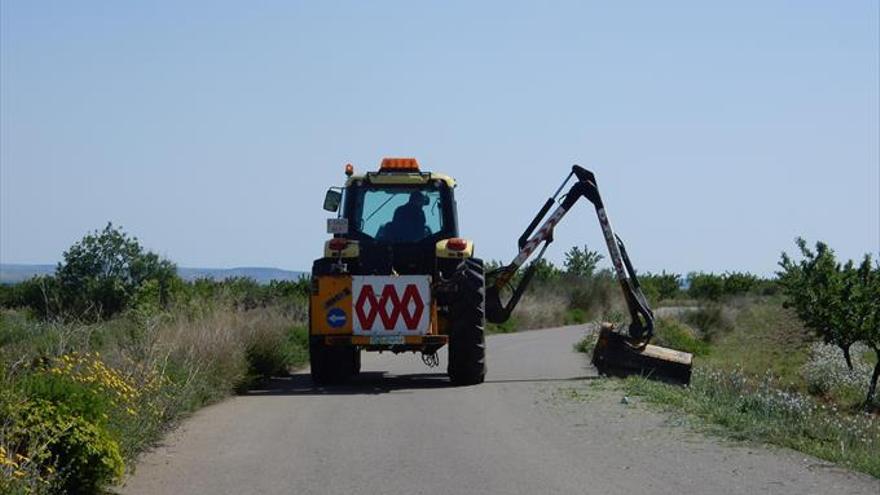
point(705, 286)
point(861, 288)
point(738, 283)
point(581, 262)
point(545, 271)
point(662, 286)
point(101, 274)
point(838, 302)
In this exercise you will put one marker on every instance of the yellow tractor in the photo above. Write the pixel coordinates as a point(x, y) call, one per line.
point(396, 276)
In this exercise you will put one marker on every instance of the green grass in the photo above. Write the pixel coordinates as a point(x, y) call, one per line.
point(734, 406)
point(123, 382)
point(509, 326)
point(749, 384)
point(675, 335)
point(765, 338)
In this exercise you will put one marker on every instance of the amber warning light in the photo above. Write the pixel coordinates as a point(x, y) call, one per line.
point(399, 164)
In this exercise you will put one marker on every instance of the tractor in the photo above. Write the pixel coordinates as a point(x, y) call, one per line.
point(397, 276)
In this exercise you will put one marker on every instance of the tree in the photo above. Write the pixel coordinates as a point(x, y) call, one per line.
point(545, 271)
point(861, 288)
point(738, 283)
point(662, 286)
point(581, 262)
point(101, 274)
point(838, 302)
point(705, 286)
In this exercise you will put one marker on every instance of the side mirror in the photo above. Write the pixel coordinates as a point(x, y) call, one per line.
point(332, 200)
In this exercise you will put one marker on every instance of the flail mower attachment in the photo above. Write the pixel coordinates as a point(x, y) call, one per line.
point(618, 351)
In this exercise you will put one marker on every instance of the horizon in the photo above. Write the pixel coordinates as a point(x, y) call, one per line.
point(210, 131)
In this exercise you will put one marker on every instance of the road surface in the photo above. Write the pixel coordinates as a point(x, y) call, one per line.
point(540, 424)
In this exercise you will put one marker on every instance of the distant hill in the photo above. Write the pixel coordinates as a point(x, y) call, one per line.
point(11, 273)
point(14, 273)
point(260, 274)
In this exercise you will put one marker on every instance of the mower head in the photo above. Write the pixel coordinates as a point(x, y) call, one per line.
point(617, 354)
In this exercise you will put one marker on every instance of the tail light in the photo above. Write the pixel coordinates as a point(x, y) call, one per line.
point(338, 243)
point(456, 244)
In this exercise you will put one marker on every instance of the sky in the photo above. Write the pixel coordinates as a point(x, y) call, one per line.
point(718, 131)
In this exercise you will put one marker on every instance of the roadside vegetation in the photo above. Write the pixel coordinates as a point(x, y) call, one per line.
point(97, 361)
point(790, 361)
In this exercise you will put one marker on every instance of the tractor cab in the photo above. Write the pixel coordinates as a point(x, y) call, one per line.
point(394, 220)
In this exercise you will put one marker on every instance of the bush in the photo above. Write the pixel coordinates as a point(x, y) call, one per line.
point(575, 317)
point(70, 453)
point(710, 320)
point(826, 375)
point(149, 372)
point(594, 295)
point(672, 334)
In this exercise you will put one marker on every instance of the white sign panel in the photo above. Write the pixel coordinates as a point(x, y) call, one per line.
point(337, 225)
point(387, 305)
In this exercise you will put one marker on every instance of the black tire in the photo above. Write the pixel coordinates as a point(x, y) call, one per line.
point(332, 365)
point(467, 341)
point(356, 361)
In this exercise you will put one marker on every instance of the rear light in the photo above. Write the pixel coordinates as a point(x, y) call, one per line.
point(456, 244)
point(338, 243)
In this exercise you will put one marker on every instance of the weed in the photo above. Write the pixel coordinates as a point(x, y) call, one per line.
point(675, 335)
point(710, 320)
point(737, 406)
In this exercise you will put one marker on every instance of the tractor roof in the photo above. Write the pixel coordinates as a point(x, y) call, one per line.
point(399, 171)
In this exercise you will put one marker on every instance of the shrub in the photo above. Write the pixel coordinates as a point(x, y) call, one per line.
point(79, 454)
point(672, 334)
point(594, 295)
point(709, 320)
point(826, 375)
point(575, 317)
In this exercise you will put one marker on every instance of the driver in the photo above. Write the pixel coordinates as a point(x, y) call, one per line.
point(408, 223)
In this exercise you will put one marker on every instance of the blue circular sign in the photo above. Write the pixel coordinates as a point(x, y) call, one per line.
point(336, 317)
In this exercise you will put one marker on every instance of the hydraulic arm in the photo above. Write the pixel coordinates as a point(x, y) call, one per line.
point(641, 326)
point(616, 351)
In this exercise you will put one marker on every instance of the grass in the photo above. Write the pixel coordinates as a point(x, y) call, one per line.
point(765, 337)
point(736, 406)
point(759, 376)
point(79, 402)
point(675, 335)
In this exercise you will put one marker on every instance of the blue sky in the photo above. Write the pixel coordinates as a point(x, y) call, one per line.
point(718, 131)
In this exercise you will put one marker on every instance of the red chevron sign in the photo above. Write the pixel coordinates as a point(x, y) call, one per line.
point(391, 305)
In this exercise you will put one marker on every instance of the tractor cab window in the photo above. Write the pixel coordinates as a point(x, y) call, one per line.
point(397, 214)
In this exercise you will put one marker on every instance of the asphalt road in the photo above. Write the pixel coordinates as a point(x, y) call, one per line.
point(540, 424)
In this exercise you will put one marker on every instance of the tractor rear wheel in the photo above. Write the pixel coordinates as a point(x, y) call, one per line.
point(332, 364)
point(467, 342)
